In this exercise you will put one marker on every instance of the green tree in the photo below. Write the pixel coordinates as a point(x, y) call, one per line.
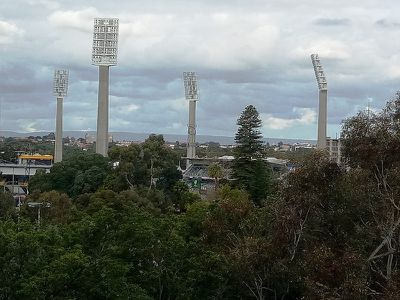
point(7, 205)
point(57, 212)
point(371, 144)
point(313, 227)
point(372, 139)
point(248, 137)
point(129, 170)
point(79, 173)
point(150, 165)
point(248, 167)
point(182, 196)
point(215, 171)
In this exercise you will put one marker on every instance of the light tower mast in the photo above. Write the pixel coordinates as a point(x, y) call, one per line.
point(104, 55)
point(323, 99)
point(60, 88)
point(192, 95)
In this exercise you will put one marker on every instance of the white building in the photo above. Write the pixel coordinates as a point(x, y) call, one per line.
point(334, 147)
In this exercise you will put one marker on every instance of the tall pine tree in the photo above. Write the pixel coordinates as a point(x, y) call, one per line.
point(248, 168)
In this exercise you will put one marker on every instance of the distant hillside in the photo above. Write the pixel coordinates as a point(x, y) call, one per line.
point(131, 136)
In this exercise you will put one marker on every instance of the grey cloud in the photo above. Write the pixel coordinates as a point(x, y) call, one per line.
point(332, 22)
point(257, 53)
point(386, 23)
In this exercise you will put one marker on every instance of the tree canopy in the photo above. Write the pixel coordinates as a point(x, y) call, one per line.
point(249, 169)
point(138, 232)
point(80, 173)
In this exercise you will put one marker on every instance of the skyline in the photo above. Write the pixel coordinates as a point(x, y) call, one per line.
point(243, 53)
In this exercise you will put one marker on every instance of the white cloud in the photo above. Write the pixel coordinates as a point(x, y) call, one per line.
point(326, 48)
point(179, 104)
point(220, 41)
point(28, 125)
point(81, 20)
point(9, 32)
point(131, 107)
point(306, 116)
point(49, 4)
point(122, 108)
point(256, 52)
point(176, 125)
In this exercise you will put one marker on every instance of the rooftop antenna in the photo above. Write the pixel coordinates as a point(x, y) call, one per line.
point(323, 99)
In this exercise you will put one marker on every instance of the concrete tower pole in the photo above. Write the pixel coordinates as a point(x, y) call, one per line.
point(60, 90)
point(323, 101)
point(322, 119)
point(102, 111)
point(192, 95)
point(191, 142)
point(104, 55)
point(58, 146)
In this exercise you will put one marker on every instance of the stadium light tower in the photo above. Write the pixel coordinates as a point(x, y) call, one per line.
point(104, 55)
point(60, 87)
point(192, 95)
point(323, 100)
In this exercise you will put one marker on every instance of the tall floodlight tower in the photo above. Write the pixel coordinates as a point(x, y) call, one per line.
point(192, 95)
point(60, 88)
point(104, 55)
point(323, 99)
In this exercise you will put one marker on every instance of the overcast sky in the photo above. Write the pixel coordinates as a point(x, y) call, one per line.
point(244, 52)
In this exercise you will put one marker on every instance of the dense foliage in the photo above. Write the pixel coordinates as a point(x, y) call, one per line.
point(249, 169)
point(79, 173)
point(327, 232)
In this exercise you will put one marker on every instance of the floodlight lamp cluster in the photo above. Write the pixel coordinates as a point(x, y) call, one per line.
point(190, 83)
point(105, 42)
point(60, 86)
point(319, 72)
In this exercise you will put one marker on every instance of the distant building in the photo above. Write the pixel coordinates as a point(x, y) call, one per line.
point(198, 170)
point(14, 176)
point(302, 147)
point(283, 148)
point(90, 138)
point(198, 167)
point(334, 147)
point(125, 143)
